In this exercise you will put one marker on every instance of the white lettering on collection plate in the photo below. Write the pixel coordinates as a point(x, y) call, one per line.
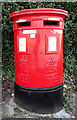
point(51, 43)
point(22, 44)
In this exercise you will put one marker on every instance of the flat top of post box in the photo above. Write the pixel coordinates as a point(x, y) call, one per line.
point(39, 10)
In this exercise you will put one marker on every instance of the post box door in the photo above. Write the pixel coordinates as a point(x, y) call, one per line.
point(48, 60)
point(26, 60)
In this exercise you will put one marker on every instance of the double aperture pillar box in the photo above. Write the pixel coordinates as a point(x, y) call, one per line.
point(38, 43)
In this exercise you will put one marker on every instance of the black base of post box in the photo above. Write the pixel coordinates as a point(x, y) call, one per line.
point(49, 100)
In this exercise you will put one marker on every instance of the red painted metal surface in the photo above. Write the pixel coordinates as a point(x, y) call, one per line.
point(38, 47)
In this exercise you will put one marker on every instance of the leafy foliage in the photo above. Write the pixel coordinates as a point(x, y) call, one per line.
point(70, 32)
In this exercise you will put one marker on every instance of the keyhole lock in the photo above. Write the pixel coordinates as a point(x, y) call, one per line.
point(40, 52)
point(32, 52)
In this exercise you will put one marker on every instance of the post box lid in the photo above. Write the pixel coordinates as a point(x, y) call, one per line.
point(39, 11)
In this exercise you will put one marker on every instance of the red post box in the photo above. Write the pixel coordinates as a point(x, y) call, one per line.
point(38, 43)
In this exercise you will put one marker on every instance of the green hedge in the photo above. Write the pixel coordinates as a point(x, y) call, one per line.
point(70, 32)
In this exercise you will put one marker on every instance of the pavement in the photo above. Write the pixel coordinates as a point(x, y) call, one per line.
point(11, 109)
